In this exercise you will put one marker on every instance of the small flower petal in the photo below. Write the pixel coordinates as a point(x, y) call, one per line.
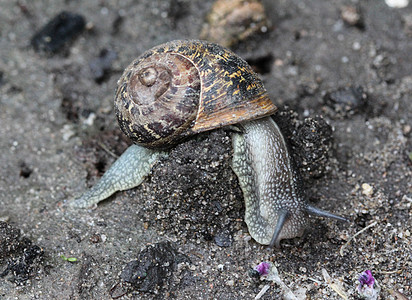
point(366, 278)
point(368, 288)
point(263, 268)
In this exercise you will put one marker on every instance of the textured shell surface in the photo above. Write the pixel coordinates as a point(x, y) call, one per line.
point(184, 87)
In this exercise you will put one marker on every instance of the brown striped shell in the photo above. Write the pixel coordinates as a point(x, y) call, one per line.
point(186, 87)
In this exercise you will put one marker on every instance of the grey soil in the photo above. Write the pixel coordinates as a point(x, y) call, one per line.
point(59, 134)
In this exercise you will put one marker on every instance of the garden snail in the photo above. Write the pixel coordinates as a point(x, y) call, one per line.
point(185, 87)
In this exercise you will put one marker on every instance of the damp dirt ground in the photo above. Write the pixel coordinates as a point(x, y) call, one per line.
point(348, 61)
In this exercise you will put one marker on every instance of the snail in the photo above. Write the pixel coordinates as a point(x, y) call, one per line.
point(185, 87)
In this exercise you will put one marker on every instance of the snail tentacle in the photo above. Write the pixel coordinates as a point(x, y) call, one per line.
point(283, 216)
point(127, 172)
point(322, 213)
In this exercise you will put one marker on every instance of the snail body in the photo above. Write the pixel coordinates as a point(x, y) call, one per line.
point(260, 156)
point(185, 87)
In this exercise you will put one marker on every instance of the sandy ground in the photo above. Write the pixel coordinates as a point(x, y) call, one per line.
point(59, 134)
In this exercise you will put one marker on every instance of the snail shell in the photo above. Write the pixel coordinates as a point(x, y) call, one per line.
point(185, 87)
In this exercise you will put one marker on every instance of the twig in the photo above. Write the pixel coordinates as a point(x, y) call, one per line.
point(355, 235)
point(398, 295)
point(103, 146)
point(262, 291)
point(287, 292)
point(389, 272)
point(334, 286)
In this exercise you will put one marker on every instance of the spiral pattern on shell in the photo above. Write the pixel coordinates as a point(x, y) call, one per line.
point(166, 85)
point(185, 87)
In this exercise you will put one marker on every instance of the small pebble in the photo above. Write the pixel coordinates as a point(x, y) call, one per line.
point(406, 129)
point(356, 46)
point(230, 282)
point(4, 219)
point(351, 15)
point(232, 21)
point(397, 3)
point(95, 238)
point(67, 132)
point(90, 119)
point(347, 101)
point(58, 32)
point(367, 189)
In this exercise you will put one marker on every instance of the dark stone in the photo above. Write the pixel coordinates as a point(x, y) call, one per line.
point(155, 266)
point(62, 29)
point(17, 254)
point(346, 101)
point(117, 24)
point(25, 170)
point(254, 274)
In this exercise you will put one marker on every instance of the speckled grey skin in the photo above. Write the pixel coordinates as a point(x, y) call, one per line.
point(268, 181)
point(127, 172)
point(275, 205)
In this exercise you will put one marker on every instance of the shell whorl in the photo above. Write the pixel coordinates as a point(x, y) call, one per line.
point(185, 87)
point(157, 99)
